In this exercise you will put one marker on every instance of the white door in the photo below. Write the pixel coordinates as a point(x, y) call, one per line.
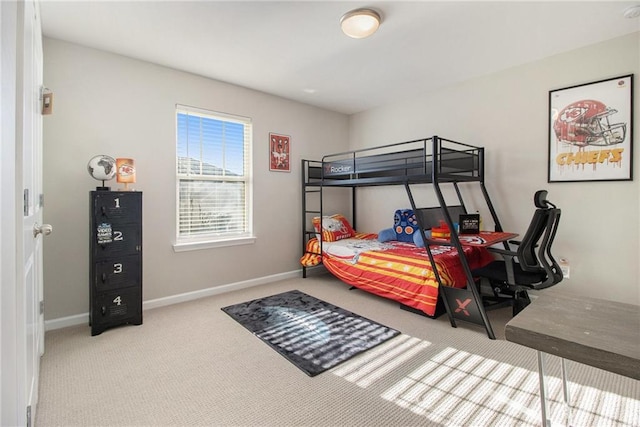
point(32, 229)
point(22, 332)
point(9, 220)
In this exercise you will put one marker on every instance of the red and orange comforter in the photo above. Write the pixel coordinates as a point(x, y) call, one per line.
point(395, 270)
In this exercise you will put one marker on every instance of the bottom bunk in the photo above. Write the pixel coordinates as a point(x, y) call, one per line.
point(395, 270)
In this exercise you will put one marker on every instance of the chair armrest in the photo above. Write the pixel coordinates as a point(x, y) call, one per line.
point(505, 253)
point(508, 263)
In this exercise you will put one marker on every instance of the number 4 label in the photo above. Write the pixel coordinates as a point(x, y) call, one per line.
point(118, 300)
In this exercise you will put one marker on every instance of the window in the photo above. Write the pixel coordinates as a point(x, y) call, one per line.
point(213, 178)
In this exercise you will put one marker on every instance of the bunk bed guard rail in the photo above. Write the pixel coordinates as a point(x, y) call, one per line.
point(421, 160)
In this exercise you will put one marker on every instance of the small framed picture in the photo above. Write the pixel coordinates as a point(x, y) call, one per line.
point(591, 131)
point(469, 223)
point(279, 152)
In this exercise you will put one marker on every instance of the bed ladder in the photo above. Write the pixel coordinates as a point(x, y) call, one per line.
point(464, 304)
point(310, 186)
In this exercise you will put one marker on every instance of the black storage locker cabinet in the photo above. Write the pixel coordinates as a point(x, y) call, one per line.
point(116, 259)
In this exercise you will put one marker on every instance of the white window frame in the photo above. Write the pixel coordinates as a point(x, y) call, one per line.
point(213, 240)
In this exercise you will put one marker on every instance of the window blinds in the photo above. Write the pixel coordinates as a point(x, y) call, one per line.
point(213, 171)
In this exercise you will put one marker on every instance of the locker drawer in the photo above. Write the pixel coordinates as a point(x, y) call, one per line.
point(114, 239)
point(111, 206)
point(118, 307)
point(118, 272)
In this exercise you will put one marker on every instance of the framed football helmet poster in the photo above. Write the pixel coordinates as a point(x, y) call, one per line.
point(591, 131)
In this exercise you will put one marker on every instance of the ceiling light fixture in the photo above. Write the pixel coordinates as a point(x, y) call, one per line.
point(632, 11)
point(360, 23)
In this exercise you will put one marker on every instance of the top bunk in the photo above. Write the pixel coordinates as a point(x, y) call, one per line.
point(426, 160)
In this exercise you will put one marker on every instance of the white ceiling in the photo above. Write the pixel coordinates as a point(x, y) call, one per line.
point(296, 50)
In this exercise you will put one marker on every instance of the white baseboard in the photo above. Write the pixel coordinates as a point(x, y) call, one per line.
point(83, 318)
point(63, 322)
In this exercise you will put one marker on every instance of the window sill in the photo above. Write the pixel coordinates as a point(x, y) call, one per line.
point(209, 244)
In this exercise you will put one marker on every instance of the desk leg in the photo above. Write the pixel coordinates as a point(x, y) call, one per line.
point(565, 389)
point(546, 422)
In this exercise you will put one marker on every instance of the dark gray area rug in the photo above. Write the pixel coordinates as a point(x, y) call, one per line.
point(312, 334)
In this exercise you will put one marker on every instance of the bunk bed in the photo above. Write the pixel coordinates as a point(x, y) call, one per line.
point(445, 265)
point(395, 270)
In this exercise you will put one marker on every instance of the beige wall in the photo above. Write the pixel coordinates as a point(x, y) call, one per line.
point(507, 113)
point(109, 104)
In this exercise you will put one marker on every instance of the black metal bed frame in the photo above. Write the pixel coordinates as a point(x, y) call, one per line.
point(432, 160)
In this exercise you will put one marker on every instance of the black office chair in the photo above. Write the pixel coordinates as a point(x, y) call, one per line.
point(531, 266)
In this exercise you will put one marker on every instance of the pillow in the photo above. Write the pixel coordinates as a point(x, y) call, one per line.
point(405, 229)
point(417, 238)
point(386, 235)
point(405, 224)
point(334, 227)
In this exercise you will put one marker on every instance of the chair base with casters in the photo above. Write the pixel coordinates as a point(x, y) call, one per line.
point(506, 281)
point(497, 293)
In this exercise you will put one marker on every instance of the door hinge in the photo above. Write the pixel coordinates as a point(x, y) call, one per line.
point(29, 416)
point(41, 200)
point(41, 307)
point(25, 199)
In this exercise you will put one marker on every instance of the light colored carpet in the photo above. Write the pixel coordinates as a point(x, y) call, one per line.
point(191, 364)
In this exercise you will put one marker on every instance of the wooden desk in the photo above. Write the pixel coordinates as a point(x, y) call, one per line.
point(603, 334)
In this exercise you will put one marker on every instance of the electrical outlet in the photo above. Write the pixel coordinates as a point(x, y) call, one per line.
point(565, 267)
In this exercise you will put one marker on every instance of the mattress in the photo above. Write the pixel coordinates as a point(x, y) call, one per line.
point(396, 270)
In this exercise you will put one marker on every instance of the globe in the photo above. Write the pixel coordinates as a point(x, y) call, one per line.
point(102, 167)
